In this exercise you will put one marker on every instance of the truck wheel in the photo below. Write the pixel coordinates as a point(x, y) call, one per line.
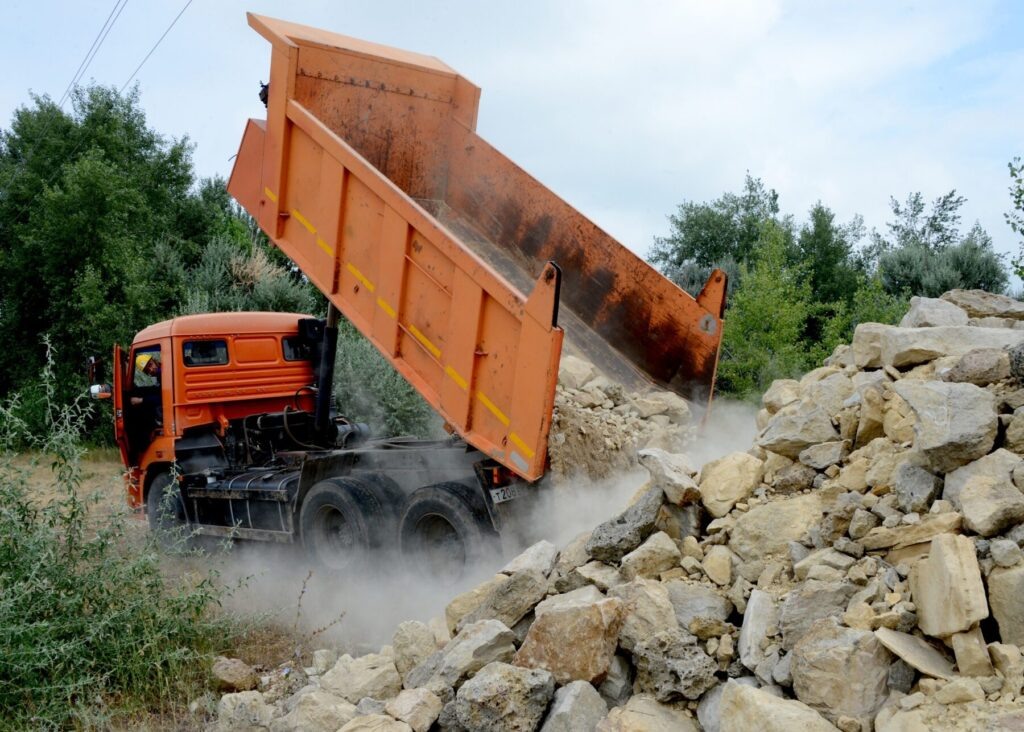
point(336, 523)
point(166, 513)
point(442, 533)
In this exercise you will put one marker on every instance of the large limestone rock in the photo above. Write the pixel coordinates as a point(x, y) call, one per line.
point(647, 610)
point(808, 603)
point(504, 698)
point(540, 558)
point(616, 537)
point(796, 428)
point(916, 652)
point(867, 345)
point(373, 675)
point(315, 710)
point(418, 708)
point(980, 367)
point(915, 488)
point(573, 642)
point(510, 600)
point(580, 597)
point(760, 622)
point(981, 304)
point(671, 472)
point(998, 465)
point(413, 642)
point(956, 423)
point(1006, 592)
point(462, 605)
point(990, 505)
point(747, 709)
point(830, 392)
point(841, 671)
point(244, 710)
point(577, 708)
point(883, 537)
point(671, 666)
point(877, 345)
point(474, 647)
point(767, 530)
point(729, 480)
point(574, 372)
point(232, 674)
point(781, 393)
point(692, 601)
point(644, 713)
point(825, 454)
point(656, 555)
point(947, 587)
point(929, 311)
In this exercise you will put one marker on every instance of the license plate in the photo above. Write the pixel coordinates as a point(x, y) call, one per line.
point(505, 493)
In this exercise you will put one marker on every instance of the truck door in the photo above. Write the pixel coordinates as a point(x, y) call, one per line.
point(120, 436)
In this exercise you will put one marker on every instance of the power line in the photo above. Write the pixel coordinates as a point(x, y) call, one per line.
point(168, 30)
point(97, 42)
point(57, 168)
point(101, 36)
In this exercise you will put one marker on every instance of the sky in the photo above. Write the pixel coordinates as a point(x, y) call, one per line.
point(624, 109)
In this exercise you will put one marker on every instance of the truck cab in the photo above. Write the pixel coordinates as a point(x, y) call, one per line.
point(217, 419)
point(214, 369)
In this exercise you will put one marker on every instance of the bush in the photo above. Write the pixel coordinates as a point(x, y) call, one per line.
point(765, 321)
point(89, 626)
point(368, 389)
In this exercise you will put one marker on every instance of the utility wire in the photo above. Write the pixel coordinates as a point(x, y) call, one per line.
point(94, 48)
point(137, 68)
point(97, 42)
point(57, 168)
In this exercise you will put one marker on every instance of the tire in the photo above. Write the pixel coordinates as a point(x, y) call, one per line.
point(339, 523)
point(442, 533)
point(166, 513)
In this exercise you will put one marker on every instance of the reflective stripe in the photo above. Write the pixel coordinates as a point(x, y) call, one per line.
point(383, 305)
point(518, 442)
point(494, 409)
point(457, 378)
point(425, 341)
point(360, 276)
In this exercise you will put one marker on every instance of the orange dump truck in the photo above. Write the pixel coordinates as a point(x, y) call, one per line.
point(463, 270)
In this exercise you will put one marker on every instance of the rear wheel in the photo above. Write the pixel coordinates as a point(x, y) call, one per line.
point(442, 532)
point(339, 523)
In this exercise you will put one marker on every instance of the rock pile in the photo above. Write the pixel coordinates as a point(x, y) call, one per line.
point(598, 428)
point(860, 568)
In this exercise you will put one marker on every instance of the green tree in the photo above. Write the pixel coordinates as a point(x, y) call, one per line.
point(766, 319)
point(826, 249)
point(1015, 217)
point(229, 277)
point(925, 253)
point(722, 233)
point(99, 216)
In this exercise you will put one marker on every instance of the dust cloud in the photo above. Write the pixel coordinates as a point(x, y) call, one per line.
point(360, 611)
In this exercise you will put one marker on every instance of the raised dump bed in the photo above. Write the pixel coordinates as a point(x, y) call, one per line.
point(453, 261)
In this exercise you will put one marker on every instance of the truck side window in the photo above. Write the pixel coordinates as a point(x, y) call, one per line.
point(296, 348)
point(205, 353)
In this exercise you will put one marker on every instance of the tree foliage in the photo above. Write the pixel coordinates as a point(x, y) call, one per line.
point(796, 292)
point(104, 230)
point(766, 318)
point(722, 233)
point(926, 253)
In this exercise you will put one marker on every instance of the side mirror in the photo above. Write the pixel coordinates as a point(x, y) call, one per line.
point(101, 391)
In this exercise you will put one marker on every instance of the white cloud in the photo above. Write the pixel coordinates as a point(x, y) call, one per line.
point(627, 109)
